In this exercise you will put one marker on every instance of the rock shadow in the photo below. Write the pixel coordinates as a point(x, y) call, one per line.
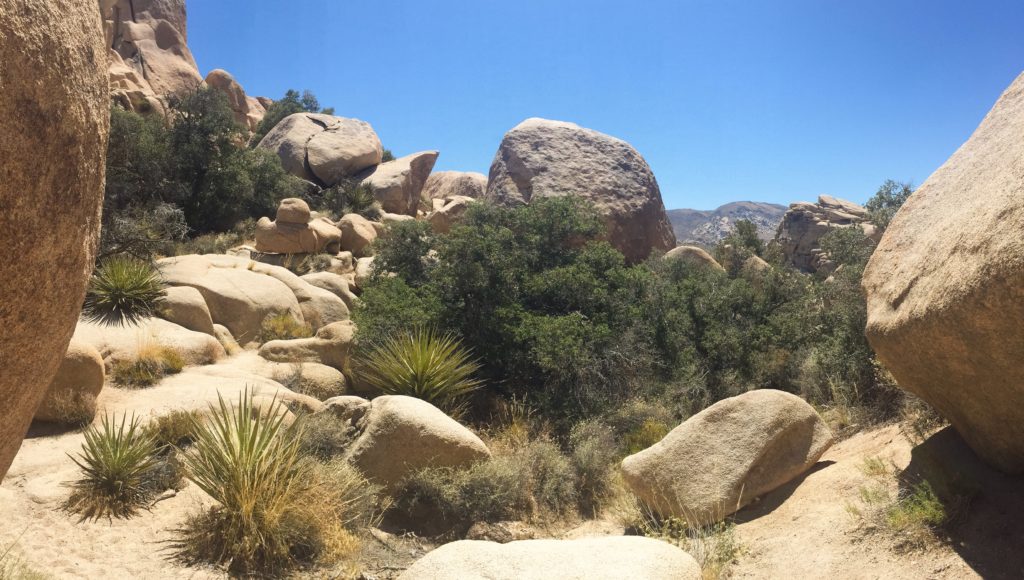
point(771, 501)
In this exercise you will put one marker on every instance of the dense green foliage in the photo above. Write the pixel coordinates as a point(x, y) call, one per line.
point(558, 318)
point(887, 200)
point(189, 173)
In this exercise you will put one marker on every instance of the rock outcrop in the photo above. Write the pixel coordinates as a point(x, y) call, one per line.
point(804, 225)
point(186, 307)
point(399, 435)
point(149, 58)
point(241, 293)
point(331, 346)
point(540, 158)
point(357, 233)
point(249, 111)
point(612, 558)
point(56, 113)
point(445, 184)
point(124, 343)
point(724, 457)
point(324, 149)
point(696, 257)
point(397, 184)
point(295, 231)
point(944, 295)
point(447, 212)
point(71, 397)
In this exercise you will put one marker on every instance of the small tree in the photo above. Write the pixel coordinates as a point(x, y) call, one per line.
point(887, 201)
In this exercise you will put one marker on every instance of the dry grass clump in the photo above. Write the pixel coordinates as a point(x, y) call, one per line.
point(152, 363)
point(914, 513)
point(176, 429)
point(277, 510)
point(324, 436)
point(119, 470)
point(595, 455)
point(283, 326)
point(12, 567)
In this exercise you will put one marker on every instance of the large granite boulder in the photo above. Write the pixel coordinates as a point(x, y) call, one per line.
point(295, 231)
point(611, 558)
point(945, 305)
point(56, 115)
point(186, 307)
point(149, 58)
point(694, 256)
point(397, 184)
point(71, 397)
point(248, 110)
point(445, 184)
point(726, 456)
point(541, 158)
point(241, 293)
point(399, 435)
point(357, 234)
point(324, 149)
point(804, 224)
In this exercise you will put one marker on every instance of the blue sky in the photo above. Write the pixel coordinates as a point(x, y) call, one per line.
point(726, 99)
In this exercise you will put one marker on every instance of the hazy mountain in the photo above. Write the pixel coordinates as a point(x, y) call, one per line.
point(708, 227)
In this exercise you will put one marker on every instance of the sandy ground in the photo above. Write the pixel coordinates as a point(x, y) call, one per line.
point(802, 530)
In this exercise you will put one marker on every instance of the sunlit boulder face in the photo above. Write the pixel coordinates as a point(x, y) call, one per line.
point(541, 158)
point(945, 288)
point(149, 58)
point(324, 149)
point(56, 117)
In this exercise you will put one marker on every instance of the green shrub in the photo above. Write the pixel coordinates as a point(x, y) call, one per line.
point(388, 156)
point(714, 546)
point(123, 291)
point(150, 365)
point(175, 429)
point(594, 454)
point(293, 102)
point(118, 465)
point(648, 433)
point(424, 364)
point(275, 509)
point(348, 196)
point(283, 326)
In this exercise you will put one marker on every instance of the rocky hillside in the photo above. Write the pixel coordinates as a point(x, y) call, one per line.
point(708, 227)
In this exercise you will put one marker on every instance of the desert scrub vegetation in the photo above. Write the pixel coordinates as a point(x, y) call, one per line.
point(425, 364)
point(175, 429)
point(910, 510)
point(714, 546)
point(123, 290)
point(283, 326)
point(119, 470)
point(276, 509)
point(13, 567)
point(152, 363)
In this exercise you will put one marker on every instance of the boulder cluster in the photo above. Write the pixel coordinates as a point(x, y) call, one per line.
point(804, 224)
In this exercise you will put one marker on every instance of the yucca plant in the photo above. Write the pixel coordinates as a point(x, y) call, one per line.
point(123, 291)
point(118, 462)
point(425, 364)
point(274, 511)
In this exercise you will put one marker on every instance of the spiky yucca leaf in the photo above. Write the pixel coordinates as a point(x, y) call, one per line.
point(424, 364)
point(123, 291)
point(117, 462)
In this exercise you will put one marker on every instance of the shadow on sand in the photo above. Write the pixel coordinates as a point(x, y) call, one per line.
point(773, 499)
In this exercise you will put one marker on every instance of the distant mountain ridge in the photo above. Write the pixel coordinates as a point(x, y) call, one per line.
point(708, 227)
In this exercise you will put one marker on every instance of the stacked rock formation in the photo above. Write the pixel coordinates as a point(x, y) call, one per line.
point(294, 231)
point(806, 223)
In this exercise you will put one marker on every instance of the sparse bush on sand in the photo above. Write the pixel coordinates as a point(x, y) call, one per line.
point(283, 326)
point(150, 365)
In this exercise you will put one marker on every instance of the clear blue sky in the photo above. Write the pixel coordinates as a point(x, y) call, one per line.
point(726, 99)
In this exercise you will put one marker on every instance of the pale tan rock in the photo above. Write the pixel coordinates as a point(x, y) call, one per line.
point(449, 213)
point(55, 108)
point(296, 232)
point(185, 306)
point(288, 140)
point(226, 339)
point(397, 184)
point(324, 149)
point(364, 271)
point(541, 158)
point(72, 393)
point(694, 256)
point(444, 184)
point(614, 558)
point(248, 111)
point(357, 234)
point(124, 343)
point(804, 224)
point(335, 284)
point(944, 288)
point(331, 346)
point(238, 297)
point(149, 37)
point(726, 456)
point(391, 218)
point(400, 435)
